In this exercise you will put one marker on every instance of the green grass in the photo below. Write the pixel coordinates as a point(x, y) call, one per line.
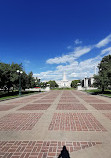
point(98, 91)
point(10, 95)
point(63, 89)
point(93, 91)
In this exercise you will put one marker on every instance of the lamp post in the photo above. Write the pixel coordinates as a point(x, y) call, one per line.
point(19, 72)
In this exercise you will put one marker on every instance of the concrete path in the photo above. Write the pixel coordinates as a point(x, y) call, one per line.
point(38, 126)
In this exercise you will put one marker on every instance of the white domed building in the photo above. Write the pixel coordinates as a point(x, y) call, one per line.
point(64, 83)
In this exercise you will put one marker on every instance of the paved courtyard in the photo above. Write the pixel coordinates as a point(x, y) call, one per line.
point(37, 126)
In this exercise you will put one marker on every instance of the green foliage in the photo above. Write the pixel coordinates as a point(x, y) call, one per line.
point(74, 83)
point(9, 78)
point(103, 79)
point(43, 84)
point(30, 80)
point(53, 84)
point(8, 75)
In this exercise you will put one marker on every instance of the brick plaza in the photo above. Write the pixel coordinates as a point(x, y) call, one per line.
point(39, 125)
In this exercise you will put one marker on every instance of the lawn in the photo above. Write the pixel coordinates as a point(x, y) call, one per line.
point(64, 88)
point(14, 94)
point(98, 91)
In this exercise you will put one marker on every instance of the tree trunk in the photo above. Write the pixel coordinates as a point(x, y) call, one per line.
point(8, 90)
point(102, 89)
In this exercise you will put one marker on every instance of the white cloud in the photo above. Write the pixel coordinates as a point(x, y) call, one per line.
point(77, 41)
point(63, 59)
point(69, 47)
point(107, 50)
point(73, 68)
point(26, 62)
point(104, 42)
point(78, 51)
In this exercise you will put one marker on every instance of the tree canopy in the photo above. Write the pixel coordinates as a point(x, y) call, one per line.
point(103, 79)
point(53, 84)
point(9, 78)
point(74, 83)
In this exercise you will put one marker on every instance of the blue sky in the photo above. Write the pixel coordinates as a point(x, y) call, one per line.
point(53, 36)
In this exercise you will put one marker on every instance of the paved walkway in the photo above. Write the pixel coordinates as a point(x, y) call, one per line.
point(38, 126)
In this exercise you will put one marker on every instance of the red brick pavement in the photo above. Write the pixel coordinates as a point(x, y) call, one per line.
point(40, 149)
point(108, 115)
point(94, 101)
point(102, 106)
point(68, 100)
point(48, 98)
point(19, 121)
point(36, 107)
point(75, 122)
point(22, 101)
point(43, 101)
point(6, 107)
point(71, 107)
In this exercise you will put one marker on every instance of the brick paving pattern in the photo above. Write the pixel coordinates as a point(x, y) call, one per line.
point(68, 101)
point(36, 107)
point(6, 107)
point(108, 115)
point(75, 122)
point(102, 106)
point(19, 121)
point(21, 101)
point(71, 107)
point(39, 149)
point(94, 101)
point(43, 101)
point(18, 124)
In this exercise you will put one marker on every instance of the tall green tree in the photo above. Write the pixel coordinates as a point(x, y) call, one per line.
point(74, 83)
point(9, 78)
point(103, 79)
point(31, 80)
point(14, 76)
point(53, 84)
point(5, 76)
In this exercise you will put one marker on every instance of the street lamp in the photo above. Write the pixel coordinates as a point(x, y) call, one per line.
point(19, 72)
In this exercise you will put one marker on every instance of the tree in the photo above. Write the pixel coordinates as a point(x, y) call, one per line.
point(103, 79)
point(14, 77)
point(53, 84)
point(5, 76)
point(74, 83)
point(31, 80)
point(9, 77)
point(43, 84)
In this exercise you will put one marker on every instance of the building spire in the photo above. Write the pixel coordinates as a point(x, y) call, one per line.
point(64, 77)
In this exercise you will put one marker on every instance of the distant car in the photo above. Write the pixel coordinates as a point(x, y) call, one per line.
point(36, 87)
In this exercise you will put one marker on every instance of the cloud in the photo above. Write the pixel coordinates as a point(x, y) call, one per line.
point(26, 62)
point(104, 42)
point(63, 59)
point(69, 47)
point(77, 41)
point(73, 68)
point(78, 51)
point(107, 50)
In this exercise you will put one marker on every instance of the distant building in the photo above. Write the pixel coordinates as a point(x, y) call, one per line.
point(64, 83)
point(87, 83)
